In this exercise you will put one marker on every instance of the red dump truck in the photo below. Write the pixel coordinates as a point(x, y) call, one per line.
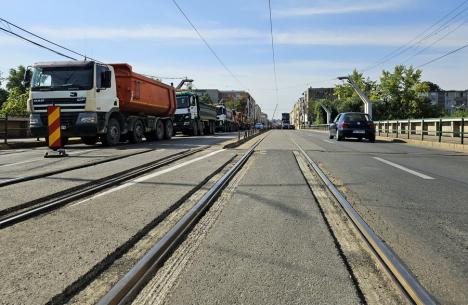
point(101, 102)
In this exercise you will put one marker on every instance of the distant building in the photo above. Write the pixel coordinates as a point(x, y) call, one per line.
point(455, 100)
point(300, 112)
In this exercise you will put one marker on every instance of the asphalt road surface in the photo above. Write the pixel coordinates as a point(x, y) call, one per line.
point(265, 240)
point(416, 199)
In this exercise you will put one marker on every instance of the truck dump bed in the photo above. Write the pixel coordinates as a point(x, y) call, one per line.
point(207, 112)
point(142, 95)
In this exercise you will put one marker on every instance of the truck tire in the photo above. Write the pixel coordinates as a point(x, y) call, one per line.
point(112, 135)
point(212, 127)
point(159, 132)
point(90, 140)
point(201, 129)
point(194, 128)
point(138, 132)
point(64, 141)
point(168, 129)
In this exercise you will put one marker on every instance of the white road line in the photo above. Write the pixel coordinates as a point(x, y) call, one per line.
point(404, 168)
point(328, 141)
point(149, 176)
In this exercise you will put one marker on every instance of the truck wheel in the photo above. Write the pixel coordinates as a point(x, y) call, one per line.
point(159, 130)
point(194, 128)
point(112, 135)
point(136, 136)
point(90, 140)
point(201, 129)
point(168, 129)
point(213, 128)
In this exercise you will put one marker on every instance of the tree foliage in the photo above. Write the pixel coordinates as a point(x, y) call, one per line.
point(400, 94)
point(3, 92)
point(15, 79)
point(15, 105)
point(205, 98)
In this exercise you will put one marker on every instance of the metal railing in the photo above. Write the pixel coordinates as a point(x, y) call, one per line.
point(13, 127)
point(448, 130)
point(437, 130)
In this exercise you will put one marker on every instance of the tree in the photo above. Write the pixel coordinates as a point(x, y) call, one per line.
point(347, 98)
point(403, 95)
point(205, 98)
point(433, 87)
point(15, 104)
point(15, 79)
point(3, 92)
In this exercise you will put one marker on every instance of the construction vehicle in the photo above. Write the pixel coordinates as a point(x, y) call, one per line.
point(193, 116)
point(225, 119)
point(100, 102)
point(285, 121)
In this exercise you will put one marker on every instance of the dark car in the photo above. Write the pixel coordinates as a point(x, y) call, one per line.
point(352, 125)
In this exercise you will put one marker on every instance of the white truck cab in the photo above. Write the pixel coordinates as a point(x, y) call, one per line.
point(85, 91)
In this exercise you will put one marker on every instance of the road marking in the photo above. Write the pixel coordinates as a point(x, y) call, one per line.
point(404, 168)
point(37, 159)
point(328, 141)
point(149, 176)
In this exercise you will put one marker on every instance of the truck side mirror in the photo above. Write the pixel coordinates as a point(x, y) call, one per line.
point(106, 77)
point(27, 78)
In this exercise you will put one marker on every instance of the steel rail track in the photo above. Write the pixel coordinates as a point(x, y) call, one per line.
point(39, 206)
point(132, 282)
point(406, 280)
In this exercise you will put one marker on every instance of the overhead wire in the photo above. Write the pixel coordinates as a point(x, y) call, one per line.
point(416, 40)
point(45, 39)
point(206, 43)
point(443, 56)
point(436, 41)
point(274, 59)
point(36, 43)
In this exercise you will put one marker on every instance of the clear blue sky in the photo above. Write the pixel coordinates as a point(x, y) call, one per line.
point(315, 40)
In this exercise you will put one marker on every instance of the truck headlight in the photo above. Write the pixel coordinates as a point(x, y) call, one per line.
point(35, 120)
point(187, 117)
point(87, 118)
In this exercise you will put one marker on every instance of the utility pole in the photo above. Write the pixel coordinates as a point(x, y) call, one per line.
point(362, 95)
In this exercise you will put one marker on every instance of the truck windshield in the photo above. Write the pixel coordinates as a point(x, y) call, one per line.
point(183, 101)
point(62, 78)
point(220, 110)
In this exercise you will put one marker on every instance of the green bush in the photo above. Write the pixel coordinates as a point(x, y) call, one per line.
point(15, 105)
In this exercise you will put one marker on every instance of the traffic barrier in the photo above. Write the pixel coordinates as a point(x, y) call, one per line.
point(54, 133)
point(53, 122)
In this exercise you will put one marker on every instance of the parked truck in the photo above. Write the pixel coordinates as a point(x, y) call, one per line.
point(101, 102)
point(193, 116)
point(285, 120)
point(225, 119)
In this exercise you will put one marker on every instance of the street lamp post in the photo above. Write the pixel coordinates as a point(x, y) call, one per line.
point(362, 95)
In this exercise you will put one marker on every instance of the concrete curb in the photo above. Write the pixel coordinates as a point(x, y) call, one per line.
point(430, 144)
point(242, 141)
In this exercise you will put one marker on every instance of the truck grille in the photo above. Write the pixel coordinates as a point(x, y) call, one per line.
point(66, 104)
point(67, 119)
